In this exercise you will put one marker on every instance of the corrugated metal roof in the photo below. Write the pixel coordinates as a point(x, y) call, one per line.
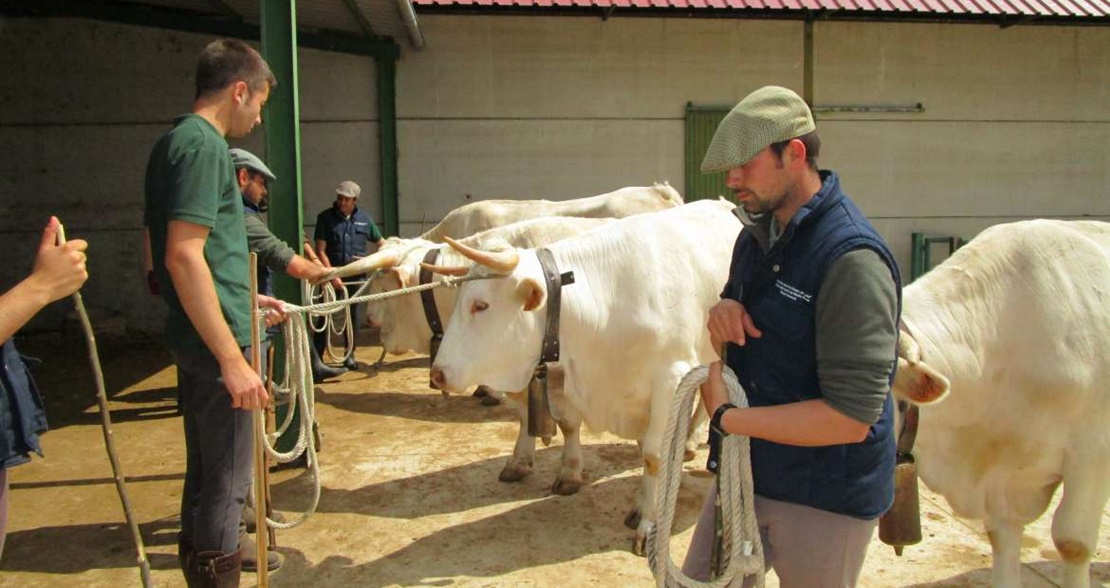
point(1081, 9)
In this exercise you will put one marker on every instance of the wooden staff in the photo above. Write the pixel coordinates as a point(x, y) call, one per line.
point(106, 427)
point(271, 532)
point(259, 431)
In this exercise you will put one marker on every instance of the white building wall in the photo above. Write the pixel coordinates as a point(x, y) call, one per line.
point(1015, 123)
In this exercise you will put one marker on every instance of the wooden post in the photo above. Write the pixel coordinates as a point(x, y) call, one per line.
point(259, 430)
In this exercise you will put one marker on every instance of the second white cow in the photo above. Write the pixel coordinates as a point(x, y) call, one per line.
point(404, 327)
point(1012, 332)
point(478, 216)
point(632, 324)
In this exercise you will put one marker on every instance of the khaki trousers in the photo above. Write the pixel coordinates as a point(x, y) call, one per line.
point(807, 547)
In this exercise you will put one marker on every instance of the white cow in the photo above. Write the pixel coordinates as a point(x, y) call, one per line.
point(472, 218)
point(1016, 325)
point(404, 326)
point(632, 324)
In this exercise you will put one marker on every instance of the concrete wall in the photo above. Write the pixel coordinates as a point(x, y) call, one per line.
point(83, 102)
point(1015, 122)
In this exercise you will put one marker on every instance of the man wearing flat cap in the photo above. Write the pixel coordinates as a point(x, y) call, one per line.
point(809, 314)
point(254, 179)
point(342, 235)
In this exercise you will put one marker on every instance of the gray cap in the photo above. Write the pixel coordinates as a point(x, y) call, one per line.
point(348, 188)
point(243, 158)
point(768, 115)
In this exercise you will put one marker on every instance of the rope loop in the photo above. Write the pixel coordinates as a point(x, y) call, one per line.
point(742, 551)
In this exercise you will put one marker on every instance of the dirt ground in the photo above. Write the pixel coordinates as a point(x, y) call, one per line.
point(410, 493)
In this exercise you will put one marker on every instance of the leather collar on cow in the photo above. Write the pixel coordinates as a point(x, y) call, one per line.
point(428, 297)
point(550, 350)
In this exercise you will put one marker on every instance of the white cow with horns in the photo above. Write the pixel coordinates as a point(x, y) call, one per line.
point(1012, 332)
point(404, 326)
point(475, 217)
point(632, 324)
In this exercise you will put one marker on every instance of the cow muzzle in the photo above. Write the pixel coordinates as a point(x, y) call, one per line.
point(439, 380)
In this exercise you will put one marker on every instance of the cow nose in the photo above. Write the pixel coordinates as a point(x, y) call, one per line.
point(437, 379)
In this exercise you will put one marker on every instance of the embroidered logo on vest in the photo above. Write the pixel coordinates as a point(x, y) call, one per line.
point(792, 293)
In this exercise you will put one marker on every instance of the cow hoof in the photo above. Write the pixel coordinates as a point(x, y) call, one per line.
point(514, 473)
point(481, 392)
point(639, 545)
point(565, 486)
point(490, 400)
point(546, 440)
point(632, 521)
point(689, 455)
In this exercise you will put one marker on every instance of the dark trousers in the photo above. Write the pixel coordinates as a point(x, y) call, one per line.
point(219, 455)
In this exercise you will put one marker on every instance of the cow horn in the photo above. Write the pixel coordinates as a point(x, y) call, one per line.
point(379, 260)
point(501, 261)
point(446, 270)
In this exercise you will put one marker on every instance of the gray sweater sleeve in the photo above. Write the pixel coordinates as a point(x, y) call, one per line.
point(857, 329)
point(271, 251)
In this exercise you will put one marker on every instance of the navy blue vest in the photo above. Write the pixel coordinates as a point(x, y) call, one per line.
point(779, 288)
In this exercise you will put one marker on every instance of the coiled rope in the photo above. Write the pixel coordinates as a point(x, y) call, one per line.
point(296, 389)
point(741, 552)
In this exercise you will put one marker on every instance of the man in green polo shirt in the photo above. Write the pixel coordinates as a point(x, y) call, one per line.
point(199, 249)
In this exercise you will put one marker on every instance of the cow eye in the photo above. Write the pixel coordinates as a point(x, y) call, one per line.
point(478, 306)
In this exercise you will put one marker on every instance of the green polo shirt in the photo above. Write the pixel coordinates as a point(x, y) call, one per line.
point(190, 177)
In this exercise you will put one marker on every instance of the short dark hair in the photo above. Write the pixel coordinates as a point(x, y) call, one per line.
point(226, 61)
point(813, 148)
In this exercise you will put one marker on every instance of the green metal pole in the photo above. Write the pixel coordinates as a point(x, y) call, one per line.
point(387, 114)
point(283, 154)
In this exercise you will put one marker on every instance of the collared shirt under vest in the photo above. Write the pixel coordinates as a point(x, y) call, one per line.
point(779, 289)
point(346, 237)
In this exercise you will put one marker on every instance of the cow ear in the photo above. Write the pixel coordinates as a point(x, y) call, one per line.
point(403, 277)
point(532, 293)
point(919, 383)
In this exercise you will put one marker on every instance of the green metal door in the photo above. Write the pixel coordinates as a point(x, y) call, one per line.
point(701, 123)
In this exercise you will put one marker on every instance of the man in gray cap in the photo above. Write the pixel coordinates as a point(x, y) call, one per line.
point(342, 235)
point(273, 254)
point(809, 314)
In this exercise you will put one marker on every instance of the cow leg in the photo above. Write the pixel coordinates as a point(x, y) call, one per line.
point(1075, 525)
point(1005, 538)
point(651, 448)
point(694, 434)
point(570, 471)
point(524, 452)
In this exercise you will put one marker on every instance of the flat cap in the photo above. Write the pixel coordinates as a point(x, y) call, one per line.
point(767, 115)
point(348, 188)
point(243, 158)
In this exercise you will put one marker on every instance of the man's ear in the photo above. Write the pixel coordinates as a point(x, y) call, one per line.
point(243, 175)
point(240, 92)
point(797, 150)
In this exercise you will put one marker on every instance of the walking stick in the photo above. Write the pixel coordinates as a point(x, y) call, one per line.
point(106, 426)
point(271, 532)
point(259, 430)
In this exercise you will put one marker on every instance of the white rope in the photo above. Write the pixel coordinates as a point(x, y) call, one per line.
point(742, 551)
point(296, 389)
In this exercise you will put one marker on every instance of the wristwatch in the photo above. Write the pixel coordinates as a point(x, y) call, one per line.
point(715, 422)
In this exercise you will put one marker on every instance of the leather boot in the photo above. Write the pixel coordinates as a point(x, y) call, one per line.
point(215, 569)
point(248, 551)
point(322, 371)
